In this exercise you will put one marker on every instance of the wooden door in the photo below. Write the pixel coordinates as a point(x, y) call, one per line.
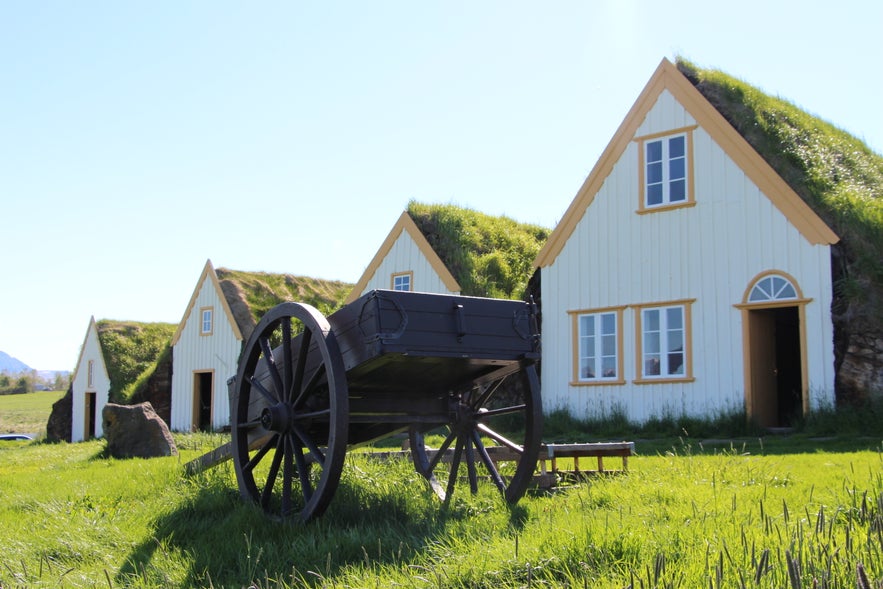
point(89, 416)
point(763, 398)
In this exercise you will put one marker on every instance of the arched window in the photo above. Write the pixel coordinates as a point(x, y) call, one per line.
point(772, 288)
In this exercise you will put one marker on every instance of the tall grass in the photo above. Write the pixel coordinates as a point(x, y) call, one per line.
point(686, 517)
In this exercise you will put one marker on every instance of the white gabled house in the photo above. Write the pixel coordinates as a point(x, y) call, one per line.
point(205, 352)
point(90, 388)
point(406, 261)
point(686, 277)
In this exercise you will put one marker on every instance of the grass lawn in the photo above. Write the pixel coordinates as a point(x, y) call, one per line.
point(27, 413)
point(687, 514)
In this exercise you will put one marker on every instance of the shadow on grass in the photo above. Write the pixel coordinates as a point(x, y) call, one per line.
point(376, 519)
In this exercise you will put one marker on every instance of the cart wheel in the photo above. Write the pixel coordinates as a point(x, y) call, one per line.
point(290, 413)
point(483, 414)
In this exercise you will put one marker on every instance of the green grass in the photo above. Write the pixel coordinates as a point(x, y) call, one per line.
point(489, 256)
point(131, 349)
point(263, 291)
point(688, 516)
point(27, 413)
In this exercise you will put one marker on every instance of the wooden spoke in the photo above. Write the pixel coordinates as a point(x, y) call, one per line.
point(270, 361)
point(287, 474)
point(499, 438)
point(303, 471)
point(249, 466)
point(432, 464)
point(455, 466)
point(270, 397)
point(302, 354)
point(274, 471)
point(485, 395)
point(310, 385)
point(488, 413)
point(488, 463)
point(249, 424)
point(470, 464)
point(318, 455)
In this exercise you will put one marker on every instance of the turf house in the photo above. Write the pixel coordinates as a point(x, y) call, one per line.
point(687, 277)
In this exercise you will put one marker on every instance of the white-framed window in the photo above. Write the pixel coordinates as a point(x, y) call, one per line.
point(666, 170)
point(597, 346)
point(206, 320)
point(402, 281)
point(664, 350)
point(90, 374)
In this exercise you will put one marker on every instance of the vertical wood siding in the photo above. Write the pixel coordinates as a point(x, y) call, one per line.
point(80, 386)
point(405, 256)
point(709, 252)
point(218, 352)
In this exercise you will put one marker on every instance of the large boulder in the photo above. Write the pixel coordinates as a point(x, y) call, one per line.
point(136, 431)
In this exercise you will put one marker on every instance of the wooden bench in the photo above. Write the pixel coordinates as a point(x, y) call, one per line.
point(550, 453)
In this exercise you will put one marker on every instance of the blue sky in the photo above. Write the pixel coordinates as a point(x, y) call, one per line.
point(139, 139)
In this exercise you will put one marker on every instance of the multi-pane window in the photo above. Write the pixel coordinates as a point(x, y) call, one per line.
point(665, 171)
point(205, 326)
point(663, 340)
point(597, 354)
point(90, 380)
point(401, 281)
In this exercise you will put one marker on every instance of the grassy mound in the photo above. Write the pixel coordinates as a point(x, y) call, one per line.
point(489, 256)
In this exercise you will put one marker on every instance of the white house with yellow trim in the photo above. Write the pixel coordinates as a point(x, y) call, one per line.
point(686, 277)
point(205, 352)
point(90, 388)
point(406, 261)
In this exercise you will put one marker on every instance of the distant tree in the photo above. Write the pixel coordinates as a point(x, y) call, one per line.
point(60, 383)
point(24, 385)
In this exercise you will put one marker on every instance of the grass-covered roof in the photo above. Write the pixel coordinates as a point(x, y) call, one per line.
point(489, 256)
point(839, 176)
point(131, 349)
point(251, 294)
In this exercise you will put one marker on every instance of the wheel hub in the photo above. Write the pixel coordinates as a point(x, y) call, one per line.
point(277, 418)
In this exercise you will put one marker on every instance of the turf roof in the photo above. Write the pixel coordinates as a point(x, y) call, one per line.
point(489, 256)
point(837, 174)
point(131, 349)
point(251, 294)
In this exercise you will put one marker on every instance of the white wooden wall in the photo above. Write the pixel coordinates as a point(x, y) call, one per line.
point(709, 252)
point(405, 256)
point(80, 386)
point(218, 352)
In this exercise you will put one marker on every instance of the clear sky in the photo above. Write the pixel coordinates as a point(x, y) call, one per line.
point(139, 139)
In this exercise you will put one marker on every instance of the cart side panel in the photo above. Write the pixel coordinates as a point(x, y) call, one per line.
point(424, 343)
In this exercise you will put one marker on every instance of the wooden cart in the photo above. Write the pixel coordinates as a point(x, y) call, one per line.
point(309, 387)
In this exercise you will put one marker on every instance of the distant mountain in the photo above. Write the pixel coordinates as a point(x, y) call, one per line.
point(12, 365)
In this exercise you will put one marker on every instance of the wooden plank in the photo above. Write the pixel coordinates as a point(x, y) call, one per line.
point(218, 455)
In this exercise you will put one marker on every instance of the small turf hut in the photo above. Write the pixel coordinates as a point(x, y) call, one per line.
point(224, 309)
point(447, 249)
point(114, 358)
